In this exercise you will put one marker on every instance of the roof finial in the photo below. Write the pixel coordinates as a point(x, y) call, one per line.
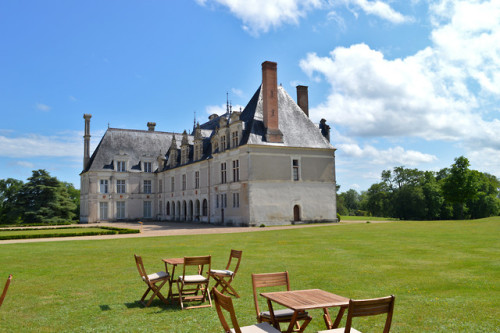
point(227, 101)
point(194, 121)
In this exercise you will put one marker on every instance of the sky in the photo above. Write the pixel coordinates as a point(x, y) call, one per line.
point(413, 83)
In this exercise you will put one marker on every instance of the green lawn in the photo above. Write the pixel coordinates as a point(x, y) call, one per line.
point(445, 275)
point(61, 232)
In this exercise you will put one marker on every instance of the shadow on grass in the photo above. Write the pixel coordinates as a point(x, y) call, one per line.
point(156, 304)
point(104, 307)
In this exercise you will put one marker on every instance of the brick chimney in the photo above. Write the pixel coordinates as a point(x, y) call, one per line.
point(270, 101)
point(86, 140)
point(303, 99)
point(151, 126)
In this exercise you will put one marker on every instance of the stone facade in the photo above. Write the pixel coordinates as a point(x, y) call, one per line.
point(231, 170)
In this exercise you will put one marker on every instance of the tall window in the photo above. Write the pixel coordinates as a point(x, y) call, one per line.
point(147, 209)
point(205, 207)
point(103, 210)
point(223, 178)
point(236, 200)
point(223, 143)
point(121, 166)
point(160, 207)
point(197, 179)
point(223, 200)
point(236, 170)
point(296, 170)
point(217, 201)
point(147, 186)
point(168, 208)
point(103, 186)
point(234, 139)
point(160, 186)
point(120, 209)
point(120, 186)
point(172, 184)
point(147, 167)
point(183, 182)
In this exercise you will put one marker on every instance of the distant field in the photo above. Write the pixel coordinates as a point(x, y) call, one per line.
point(367, 218)
point(445, 275)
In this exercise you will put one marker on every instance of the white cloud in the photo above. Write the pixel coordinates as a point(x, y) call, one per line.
point(259, 16)
point(43, 107)
point(237, 92)
point(391, 156)
point(34, 145)
point(221, 109)
point(380, 9)
point(25, 164)
point(426, 95)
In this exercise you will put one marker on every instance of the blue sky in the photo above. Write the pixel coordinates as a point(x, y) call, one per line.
point(412, 83)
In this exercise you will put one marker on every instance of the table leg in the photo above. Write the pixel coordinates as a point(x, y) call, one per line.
point(292, 323)
point(170, 295)
point(274, 322)
point(339, 317)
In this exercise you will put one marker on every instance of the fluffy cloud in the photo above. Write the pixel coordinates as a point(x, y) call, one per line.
point(43, 107)
point(426, 95)
point(259, 16)
point(380, 9)
point(33, 145)
point(220, 109)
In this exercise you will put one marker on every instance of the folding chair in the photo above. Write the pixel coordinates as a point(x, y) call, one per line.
point(190, 285)
point(367, 307)
point(152, 281)
point(283, 315)
point(226, 303)
point(7, 284)
point(224, 277)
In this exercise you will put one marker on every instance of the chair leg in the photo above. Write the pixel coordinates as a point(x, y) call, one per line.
point(144, 296)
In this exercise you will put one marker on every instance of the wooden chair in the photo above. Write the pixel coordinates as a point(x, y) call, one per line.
point(224, 277)
point(152, 281)
point(7, 284)
point(280, 279)
point(190, 285)
point(226, 303)
point(367, 307)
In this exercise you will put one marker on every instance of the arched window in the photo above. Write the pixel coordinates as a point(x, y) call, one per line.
point(168, 208)
point(205, 208)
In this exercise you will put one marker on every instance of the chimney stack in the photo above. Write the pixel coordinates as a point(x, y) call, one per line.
point(151, 126)
point(270, 101)
point(303, 99)
point(86, 140)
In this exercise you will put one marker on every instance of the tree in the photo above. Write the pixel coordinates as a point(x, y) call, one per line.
point(9, 208)
point(460, 185)
point(46, 200)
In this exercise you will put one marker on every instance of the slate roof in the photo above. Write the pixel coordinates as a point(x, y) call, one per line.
point(298, 131)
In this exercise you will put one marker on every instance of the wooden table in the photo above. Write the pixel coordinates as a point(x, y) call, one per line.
point(174, 262)
point(302, 300)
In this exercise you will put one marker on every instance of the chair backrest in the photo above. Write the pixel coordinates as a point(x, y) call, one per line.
point(225, 303)
point(280, 279)
point(236, 255)
point(7, 284)
point(201, 262)
point(371, 307)
point(140, 268)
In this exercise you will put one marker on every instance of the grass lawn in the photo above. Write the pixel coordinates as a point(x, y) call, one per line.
point(60, 232)
point(445, 275)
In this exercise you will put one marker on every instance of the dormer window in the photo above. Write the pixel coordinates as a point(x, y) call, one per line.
point(234, 139)
point(223, 143)
point(148, 167)
point(121, 166)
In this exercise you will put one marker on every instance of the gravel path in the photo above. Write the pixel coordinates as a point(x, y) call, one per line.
point(155, 229)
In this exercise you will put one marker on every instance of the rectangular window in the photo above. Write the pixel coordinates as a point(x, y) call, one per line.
point(147, 167)
point(160, 207)
point(120, 209)
point(121, 166)
point(197, 179)
point(223, 143)
point(172, 184)
point(103, 210)
point(183, 182)
point(217, 201)
point(147, 186)
point(234, 139)
point(103, 188)
point(120, 186)
point(236, 200)
point(236, 170)
point(223, 177)
point(296, 170)
point(147, 209)
point(160, 186)
point(223, 200)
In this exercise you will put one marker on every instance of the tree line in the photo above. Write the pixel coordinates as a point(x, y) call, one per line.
point(410, 194)
point(43, 199)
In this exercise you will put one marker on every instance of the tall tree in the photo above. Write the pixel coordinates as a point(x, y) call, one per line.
point(10, 212)
point(45, 200)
